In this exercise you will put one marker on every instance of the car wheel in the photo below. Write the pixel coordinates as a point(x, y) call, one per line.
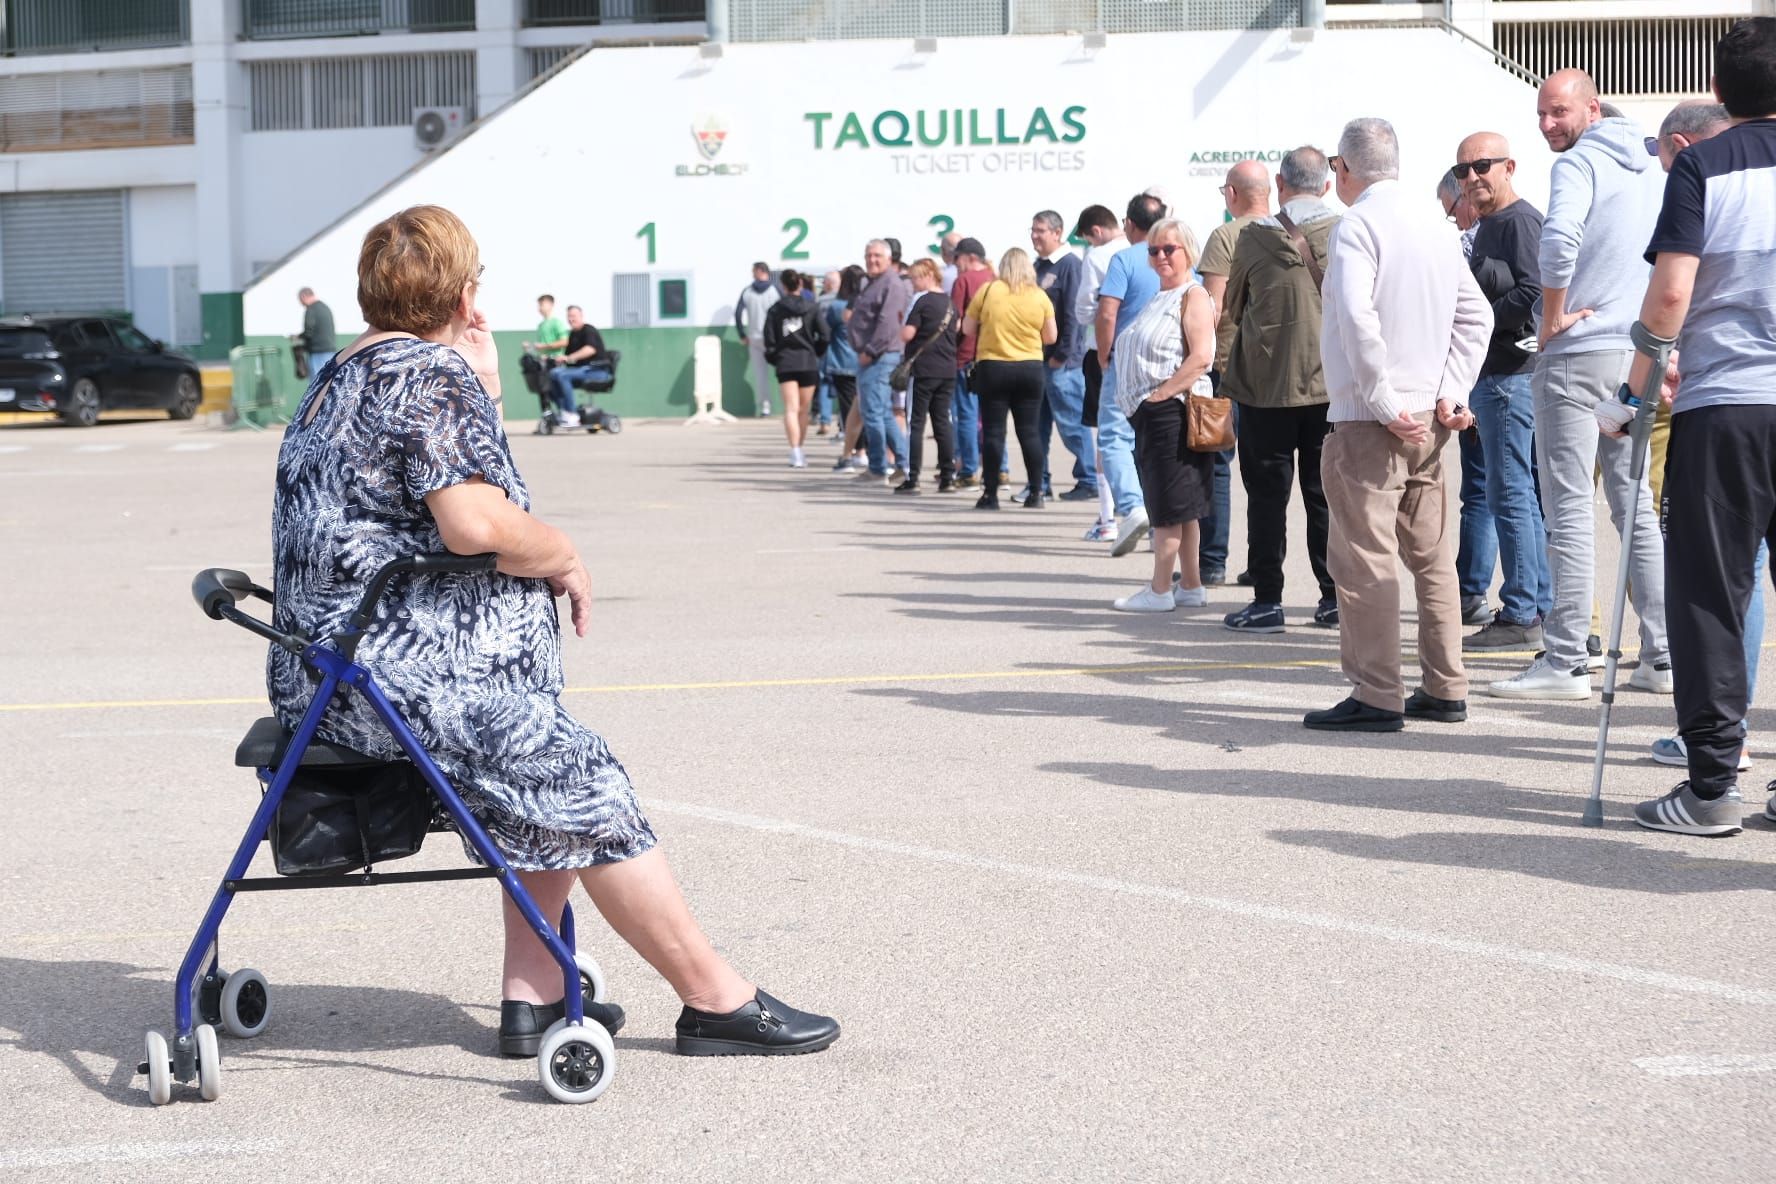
point(82, 410)
point(186, 398)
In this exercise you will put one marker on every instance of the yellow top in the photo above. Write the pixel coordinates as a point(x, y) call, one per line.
point(1010, 323)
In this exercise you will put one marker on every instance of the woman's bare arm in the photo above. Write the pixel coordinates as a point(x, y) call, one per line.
point(476, 517)
point(1050, 332)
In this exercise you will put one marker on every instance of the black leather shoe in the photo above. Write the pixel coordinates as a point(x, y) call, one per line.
point(762, 1028)
point(522, 1024)
point(988, 501)
point(1034, 502)
point(1352, 716)
point(1442, 711)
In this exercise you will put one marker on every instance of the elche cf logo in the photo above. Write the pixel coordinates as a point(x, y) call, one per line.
point(711, 132)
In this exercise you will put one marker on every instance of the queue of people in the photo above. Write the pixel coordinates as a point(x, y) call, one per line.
point(1353, 347)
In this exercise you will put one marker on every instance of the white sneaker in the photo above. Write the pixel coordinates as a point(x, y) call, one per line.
point(1671, 750)
point(1544, 680)
point(796, 459)
point(1146, 601)
point(567, 419)
point(1654, 677)
point(1190, 597)
point(1134, 529)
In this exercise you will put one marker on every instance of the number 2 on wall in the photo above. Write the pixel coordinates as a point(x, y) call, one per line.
point(792, 250)
point(941, 224)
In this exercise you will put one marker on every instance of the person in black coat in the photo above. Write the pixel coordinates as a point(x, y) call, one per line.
point(795, 339)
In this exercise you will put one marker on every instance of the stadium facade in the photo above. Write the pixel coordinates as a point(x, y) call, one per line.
point(194, 162)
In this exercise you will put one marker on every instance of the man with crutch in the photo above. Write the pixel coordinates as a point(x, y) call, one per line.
point(1714, 290)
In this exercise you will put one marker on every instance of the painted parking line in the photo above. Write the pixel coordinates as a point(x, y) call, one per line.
point(8, 449)
point(190, 446)
point(56, 1157)
point(98, 448)
point(1719, 1065)
point(1495, 952)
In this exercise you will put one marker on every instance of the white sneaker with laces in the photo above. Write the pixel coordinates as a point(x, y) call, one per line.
point(1134, 528)
point(1190, 597)
point(1544, 680)
point(1146, 601)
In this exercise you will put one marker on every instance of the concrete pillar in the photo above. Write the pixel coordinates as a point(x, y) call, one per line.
point(716, 14)
point(219, 100)
point(499, 62)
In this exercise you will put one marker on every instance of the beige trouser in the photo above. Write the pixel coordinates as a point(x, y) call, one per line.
point(1388, 506)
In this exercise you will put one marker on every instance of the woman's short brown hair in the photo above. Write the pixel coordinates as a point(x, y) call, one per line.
point(924, 268)
point(413, 268)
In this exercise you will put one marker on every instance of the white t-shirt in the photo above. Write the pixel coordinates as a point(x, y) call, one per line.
point(1085, 305)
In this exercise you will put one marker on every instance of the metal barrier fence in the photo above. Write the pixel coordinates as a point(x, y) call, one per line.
point(254, 401)
point(67, 26)
point(335, 18)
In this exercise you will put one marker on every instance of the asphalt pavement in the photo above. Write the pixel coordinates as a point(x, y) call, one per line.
point(1088, 900)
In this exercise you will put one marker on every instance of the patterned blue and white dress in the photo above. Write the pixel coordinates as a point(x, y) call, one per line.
point(473, 662)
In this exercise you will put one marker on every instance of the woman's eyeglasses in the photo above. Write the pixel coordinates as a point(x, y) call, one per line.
point(1481, 166)
point(1167, 250)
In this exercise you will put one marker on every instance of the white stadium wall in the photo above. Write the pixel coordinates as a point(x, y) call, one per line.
point(800, 153)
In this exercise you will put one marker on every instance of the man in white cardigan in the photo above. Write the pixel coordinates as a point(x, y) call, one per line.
point(1403, 334)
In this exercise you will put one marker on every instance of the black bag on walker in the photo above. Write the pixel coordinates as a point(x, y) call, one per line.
point(333, 821)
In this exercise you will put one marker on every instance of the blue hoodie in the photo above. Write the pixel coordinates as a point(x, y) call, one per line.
point(1606, 191)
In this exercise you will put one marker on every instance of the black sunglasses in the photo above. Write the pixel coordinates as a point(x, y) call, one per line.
point(1481, 166)
point(1652, 145)
point(1156, 252)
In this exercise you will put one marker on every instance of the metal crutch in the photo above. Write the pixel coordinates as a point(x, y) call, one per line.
point(1640, 430)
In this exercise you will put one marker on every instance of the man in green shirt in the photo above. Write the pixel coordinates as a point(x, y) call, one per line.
point(552, 333)
point(317, 331)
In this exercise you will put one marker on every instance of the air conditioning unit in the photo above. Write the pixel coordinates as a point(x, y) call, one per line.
point(434, 127)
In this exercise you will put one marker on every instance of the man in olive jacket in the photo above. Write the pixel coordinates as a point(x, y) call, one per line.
point(1273, 373)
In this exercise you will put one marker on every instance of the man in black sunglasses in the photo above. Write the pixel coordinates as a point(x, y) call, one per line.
point(1504, 261)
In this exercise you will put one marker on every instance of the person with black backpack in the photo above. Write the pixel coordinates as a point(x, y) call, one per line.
point(795, 338)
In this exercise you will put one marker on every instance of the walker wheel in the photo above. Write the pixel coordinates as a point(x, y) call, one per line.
point(613, 424)
point(576, 1064)
point(209, 1064)
point(245, 1004)
point(159, 1069)
point(591, 977)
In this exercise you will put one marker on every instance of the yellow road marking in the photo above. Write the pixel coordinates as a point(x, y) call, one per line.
point(748, 684)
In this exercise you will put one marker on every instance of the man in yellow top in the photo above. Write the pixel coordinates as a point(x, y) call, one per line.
point(552, 333)
point(1247, 195)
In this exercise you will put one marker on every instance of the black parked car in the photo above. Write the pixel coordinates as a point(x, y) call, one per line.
point(78, 366)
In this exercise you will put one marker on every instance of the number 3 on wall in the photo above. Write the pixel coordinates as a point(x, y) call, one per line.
point(942, 224)
point(792, 250)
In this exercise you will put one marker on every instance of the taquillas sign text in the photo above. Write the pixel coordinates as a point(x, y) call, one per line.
point(952, 127)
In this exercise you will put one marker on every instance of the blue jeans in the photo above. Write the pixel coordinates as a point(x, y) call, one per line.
point(564, 377)
point(1754, 622)
point(823, 397)
point(1504, 405)
point(880, 429)
point(968, 442)
point(318, 360)
point(1064, 404)
point(1211, 552)
point(1479, 551)
point(1116, 449)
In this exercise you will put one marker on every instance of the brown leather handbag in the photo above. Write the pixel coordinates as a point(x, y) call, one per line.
point(1208, 417)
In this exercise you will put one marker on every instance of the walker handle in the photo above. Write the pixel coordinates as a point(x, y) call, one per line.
point(437, 563)
point(216, 586)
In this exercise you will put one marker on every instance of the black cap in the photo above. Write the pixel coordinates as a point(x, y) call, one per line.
point(971, 246)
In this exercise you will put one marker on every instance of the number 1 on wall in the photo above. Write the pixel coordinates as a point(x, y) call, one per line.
point(647, 232)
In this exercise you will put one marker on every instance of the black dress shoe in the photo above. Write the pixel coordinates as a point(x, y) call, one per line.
point(988, 501)
point(762, 1028)
point(1033, 502)
point(1352, 716)
point(1442, 711)
point(522, 1024)
point(910, 485)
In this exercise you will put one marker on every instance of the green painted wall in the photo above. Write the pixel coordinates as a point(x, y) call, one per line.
point(653, 378)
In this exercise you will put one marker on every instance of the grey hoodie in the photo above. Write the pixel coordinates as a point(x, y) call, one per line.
point(1605, 194)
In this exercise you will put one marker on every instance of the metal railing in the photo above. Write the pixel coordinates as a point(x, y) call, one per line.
point(68, 26)
point(266, 19)
point(96, 109)
point(1626, 57)
point(800, 20)
point(369, 90)
point(1504, 61)
point(611, 12)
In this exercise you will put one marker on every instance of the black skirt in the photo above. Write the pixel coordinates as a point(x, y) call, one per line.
point(1176, 483)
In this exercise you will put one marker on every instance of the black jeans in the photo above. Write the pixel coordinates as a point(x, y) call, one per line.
point(846, 386)
point(1269, 439)
point(1720, 491)
point(932, 397)
point(1016, 387)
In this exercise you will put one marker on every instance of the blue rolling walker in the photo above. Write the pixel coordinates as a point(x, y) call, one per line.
point(576, 1060)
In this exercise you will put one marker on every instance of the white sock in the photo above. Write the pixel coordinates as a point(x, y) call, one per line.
point(1106, 501)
